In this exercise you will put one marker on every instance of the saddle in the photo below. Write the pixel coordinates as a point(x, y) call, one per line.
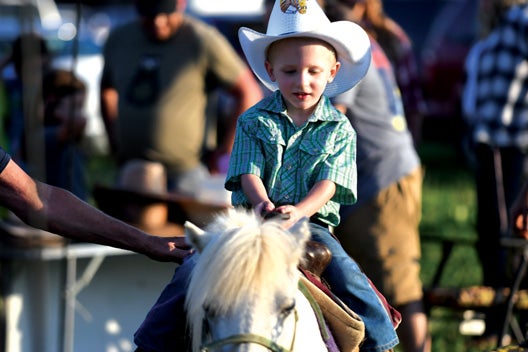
point(347, 328)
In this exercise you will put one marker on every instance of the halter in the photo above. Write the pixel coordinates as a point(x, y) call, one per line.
point(250, 338)
point(263, 341)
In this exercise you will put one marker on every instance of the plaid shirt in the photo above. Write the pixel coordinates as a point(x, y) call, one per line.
point(291, 160)
point(497, 85)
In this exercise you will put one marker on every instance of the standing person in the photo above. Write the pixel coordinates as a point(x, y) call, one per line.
point(59, 211)
point(31, 61)
point(398, 47)
point(64, 96)
point(380, 231)
point(496, 111)
point(157, 73)
point(294, 154)
point(45, 122)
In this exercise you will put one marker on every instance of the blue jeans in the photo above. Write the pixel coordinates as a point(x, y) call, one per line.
point(164, 327)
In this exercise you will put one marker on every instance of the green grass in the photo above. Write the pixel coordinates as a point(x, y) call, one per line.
point(448, 212)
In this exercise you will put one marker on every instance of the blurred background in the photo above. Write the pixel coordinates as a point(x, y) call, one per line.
point(442, 32)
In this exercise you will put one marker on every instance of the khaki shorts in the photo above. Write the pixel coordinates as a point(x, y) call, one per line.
point(382, 236)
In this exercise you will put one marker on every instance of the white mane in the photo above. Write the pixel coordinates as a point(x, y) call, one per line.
point(243, 254)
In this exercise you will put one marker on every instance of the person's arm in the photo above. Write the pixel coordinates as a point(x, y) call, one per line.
point(256, 193)
point(59, 211)
point(109, 100)
point(246, 93)
point(318, 196)
point(519, 213)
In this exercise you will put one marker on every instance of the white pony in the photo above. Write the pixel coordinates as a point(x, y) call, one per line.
point(243, 294)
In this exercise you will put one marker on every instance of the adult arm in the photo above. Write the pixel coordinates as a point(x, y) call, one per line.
point(109, 100)
point(59, 211)
point(246, 93)
point(519, 213)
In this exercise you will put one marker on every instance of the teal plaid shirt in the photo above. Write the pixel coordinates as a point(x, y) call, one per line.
point(291, 160)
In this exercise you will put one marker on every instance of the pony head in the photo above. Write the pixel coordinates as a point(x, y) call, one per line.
point(245, 283)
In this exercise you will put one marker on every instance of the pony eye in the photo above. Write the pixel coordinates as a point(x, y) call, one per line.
point(209, 311)
point(288, 306)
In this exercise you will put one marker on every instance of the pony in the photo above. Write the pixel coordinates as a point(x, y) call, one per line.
point(244, 292)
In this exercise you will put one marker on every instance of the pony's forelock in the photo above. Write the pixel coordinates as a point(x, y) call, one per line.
point(244, 255)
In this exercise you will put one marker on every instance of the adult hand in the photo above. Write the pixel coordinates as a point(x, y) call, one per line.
point(170, 249)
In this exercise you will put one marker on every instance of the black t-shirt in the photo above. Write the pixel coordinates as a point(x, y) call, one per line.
point(4, 159)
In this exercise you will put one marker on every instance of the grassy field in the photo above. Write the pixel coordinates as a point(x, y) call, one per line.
point(449, 212)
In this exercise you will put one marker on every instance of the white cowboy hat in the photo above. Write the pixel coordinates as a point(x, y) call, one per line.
point(305, 18)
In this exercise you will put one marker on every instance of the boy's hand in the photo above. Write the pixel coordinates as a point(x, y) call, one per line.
point(264, 208)
point(289, 213)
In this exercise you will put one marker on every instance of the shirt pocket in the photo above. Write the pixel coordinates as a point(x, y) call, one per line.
point(272, 143)
point(318, 146)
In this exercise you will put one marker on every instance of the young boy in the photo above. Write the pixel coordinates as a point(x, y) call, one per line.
point(294, 153)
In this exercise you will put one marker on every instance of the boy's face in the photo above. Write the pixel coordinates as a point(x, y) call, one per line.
point(302, 67)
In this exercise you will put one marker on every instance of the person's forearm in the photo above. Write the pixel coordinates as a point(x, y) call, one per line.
point(75, 219)
point(254, 189)
point(109, 101)
point(318, 196)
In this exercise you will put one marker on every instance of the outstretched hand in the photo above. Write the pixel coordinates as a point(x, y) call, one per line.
point(173, 249)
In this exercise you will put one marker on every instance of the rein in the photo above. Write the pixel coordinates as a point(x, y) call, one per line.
point(250, 338)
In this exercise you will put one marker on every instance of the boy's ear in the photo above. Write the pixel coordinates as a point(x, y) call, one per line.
point(269, 69)
point(333, 71)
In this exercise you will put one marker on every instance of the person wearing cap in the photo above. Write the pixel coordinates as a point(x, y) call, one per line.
point(294, 154)
point(158, 72)
point(380, 231)
point(58, 211)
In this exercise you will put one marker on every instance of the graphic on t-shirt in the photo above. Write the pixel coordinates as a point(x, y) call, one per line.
point(145, 86)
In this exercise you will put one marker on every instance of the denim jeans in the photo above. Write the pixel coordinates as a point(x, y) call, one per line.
point(164, 327)
point(350, 285)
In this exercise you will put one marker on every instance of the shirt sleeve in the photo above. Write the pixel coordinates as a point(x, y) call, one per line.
point(4, 159)
point(224, 62)
point(246, 156)
point(341, 168)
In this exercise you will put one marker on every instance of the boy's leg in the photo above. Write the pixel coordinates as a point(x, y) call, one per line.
point(350, 284)
point(164, 328)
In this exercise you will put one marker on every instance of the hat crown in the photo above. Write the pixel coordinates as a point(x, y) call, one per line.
point(293, 16)
point(143, 176)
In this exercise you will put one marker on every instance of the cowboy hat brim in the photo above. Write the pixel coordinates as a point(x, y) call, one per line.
point(348, 39)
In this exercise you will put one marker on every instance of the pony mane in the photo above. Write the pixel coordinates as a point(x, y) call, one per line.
point(244, 256)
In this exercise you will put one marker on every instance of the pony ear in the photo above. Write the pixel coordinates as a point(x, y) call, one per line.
point(301, 229)
point(195, 236)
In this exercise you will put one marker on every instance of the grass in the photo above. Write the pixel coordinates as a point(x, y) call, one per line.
point(449, 211)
